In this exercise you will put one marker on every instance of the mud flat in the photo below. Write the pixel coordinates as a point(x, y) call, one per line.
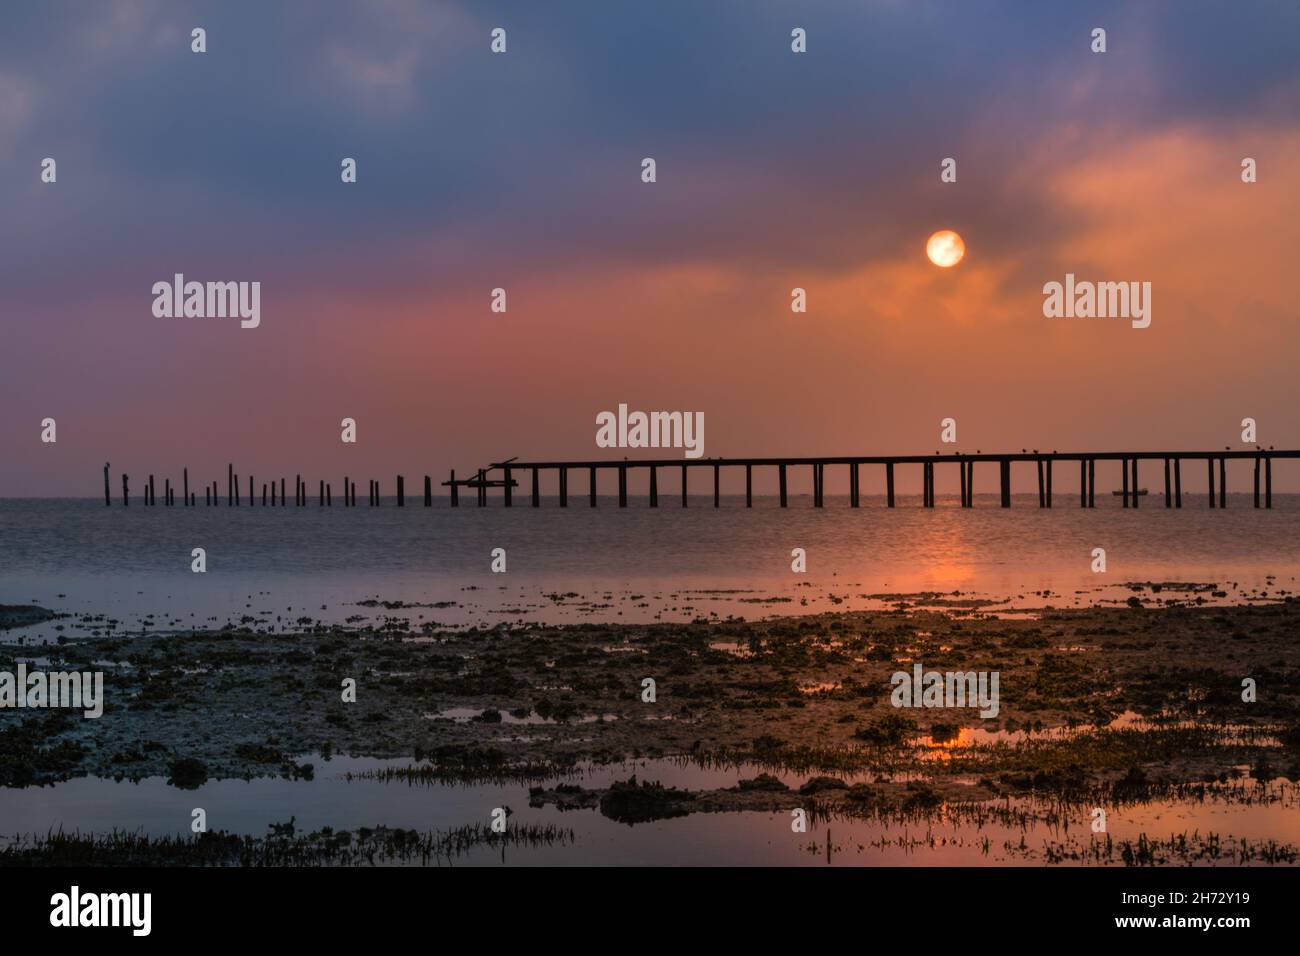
point(23, 615)
point(1150, 689)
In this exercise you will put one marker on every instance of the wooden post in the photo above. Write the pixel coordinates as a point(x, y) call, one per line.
point(353, 492)
point(781, 471)
point(749, 486)
point(1223, 482)
point(1136, 496)
point(454, 489)
point(230, 485)
point(817, 485)
point(717, 485)
point(401, 492)
point(167, 492)
point(1083, 483)
point(1168, 502)
point(1005, 468)
point(654, 487)
point(1049, 482)
point(592, 486)
point(108, 500)
point(1042, 497)
point(509, 495)
point(962, 464)
point(148, 493)
point(207, 495)
point(1268, 482)
point(186, 474)
point(283, 500)
point(889, 483)
point(299, 491)
point(622, 486)
point(537, 490)
point(264, 494)
point(929, 484)
point(564, 487)
point(970, 484)
point(854, 490)
point(1178, 482)
point(250, 491)
point(320, 494)
point(1123, 471)
point(329, 496)
point(1092, 482)
point(1209, 464)
point(1257, 481)
point(126, 492)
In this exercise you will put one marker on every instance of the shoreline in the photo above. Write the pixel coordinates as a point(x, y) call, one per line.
point(1119, 707)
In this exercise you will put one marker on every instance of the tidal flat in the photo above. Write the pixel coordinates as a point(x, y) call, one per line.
point(1136, 710)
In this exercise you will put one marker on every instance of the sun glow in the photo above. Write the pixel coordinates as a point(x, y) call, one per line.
point(945, 248)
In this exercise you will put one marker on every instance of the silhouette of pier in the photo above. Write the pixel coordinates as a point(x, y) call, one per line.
point(1171, 462)
point(502, 475)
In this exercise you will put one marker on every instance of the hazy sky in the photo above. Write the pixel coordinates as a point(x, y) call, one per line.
point(522, 170)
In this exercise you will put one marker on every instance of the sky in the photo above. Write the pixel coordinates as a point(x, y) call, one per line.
point(522, 171)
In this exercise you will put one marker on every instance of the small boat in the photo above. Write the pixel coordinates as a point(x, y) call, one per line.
point(1140, 491)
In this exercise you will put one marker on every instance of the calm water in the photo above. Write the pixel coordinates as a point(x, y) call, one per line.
point(611, 564)
point(153, 807)
point(607, 564)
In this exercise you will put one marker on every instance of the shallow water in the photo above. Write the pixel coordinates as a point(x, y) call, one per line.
point(576, 564)
point(271, 568)
point(153, 807)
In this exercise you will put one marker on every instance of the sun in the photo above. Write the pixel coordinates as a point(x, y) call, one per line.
point(945, 248)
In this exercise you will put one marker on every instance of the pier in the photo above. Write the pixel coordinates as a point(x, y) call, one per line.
point(502, 476)
point(1086, 495)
